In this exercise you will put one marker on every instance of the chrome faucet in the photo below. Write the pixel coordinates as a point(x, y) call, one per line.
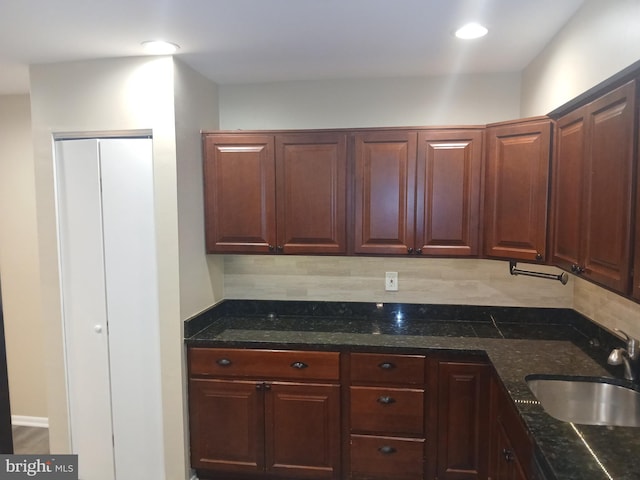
point(629, 357)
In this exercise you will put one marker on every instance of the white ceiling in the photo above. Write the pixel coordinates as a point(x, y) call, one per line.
point(243, 41)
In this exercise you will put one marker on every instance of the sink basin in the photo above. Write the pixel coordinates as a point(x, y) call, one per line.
point(587, 400)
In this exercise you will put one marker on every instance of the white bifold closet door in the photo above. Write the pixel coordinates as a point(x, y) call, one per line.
point(105, 206)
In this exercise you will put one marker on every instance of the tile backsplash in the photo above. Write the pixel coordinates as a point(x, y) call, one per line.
point(606, 308)
point(361, 279)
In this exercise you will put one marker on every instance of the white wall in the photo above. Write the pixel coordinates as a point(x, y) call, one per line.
point(602, 38)
point(106, 95)
point(19, 261)
point(376, 102)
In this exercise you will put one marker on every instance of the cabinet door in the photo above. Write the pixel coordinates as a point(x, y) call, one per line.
point(511, 456)
point(239, 193)
point(463, 421)
point(516, 190)
point(448, 192)
point(567, 189)
point(227, 426)
point(311, 179)
point(385, 165)
point(609, 166)
point(508, 466)
point(302, 430)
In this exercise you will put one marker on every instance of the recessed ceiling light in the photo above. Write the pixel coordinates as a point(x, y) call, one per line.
point(471, 31)
point(159, 47)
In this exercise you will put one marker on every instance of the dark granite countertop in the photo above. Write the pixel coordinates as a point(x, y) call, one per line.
point(517, 341)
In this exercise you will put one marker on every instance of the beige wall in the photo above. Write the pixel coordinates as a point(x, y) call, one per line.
point(196, 107)
point(19, 261)
point(201, 281)
point(374, 102)
point(602, 38)
point(97, 96)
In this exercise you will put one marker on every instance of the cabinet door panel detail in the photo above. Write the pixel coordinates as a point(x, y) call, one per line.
point(226, 425)
point(567, 190)
point(302, 433)
point(385, 192)
point(239, 175)
point(448, 192)
point(311, 175)
point(463, 403)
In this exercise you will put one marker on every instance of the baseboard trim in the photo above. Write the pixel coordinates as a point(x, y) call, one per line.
point(24, 421)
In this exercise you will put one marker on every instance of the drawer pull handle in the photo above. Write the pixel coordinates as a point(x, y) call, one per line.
point(386, 400)
point(223, 362)
point(299, 365)
point(387, 365)
point(387, 450)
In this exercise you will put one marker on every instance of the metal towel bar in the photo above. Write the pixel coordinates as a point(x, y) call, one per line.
point(562, 277)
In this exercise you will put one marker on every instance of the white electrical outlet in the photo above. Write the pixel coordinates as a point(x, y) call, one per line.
point(391, 281)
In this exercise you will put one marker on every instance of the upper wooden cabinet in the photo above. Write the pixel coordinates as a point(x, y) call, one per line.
point(311, 180)
point(448, 192)
point(239, 193)
point(385, 166)
point(275, 193)
point(517, 174)
point(592, 189)
point(417, 191)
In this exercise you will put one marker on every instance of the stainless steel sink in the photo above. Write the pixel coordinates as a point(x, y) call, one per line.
point(587, 400)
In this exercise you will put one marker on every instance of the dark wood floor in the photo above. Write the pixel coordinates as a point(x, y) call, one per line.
point(30, 440)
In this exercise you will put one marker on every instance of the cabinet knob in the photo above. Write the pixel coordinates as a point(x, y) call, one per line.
point(279, 248)
point(419, 251)
point(577, 269)
point(259, 386)
point(387, 450)
point(507, 454)
point(386, 400)
point(299, 365)
point(223, 362)
point(539, 256)
point(271, 248)
point(410, 250)
point(386, 365)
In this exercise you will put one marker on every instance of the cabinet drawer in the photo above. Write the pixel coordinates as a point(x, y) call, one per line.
point(387, 457)
point(286, 364)
point(387, 410)
point(388, 369)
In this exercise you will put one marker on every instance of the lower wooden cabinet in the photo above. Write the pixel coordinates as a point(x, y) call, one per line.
point(507, 464)
point(462, 404)
point(264, 426)
point(359, 416)
point(386, 417)
point(511, 456)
